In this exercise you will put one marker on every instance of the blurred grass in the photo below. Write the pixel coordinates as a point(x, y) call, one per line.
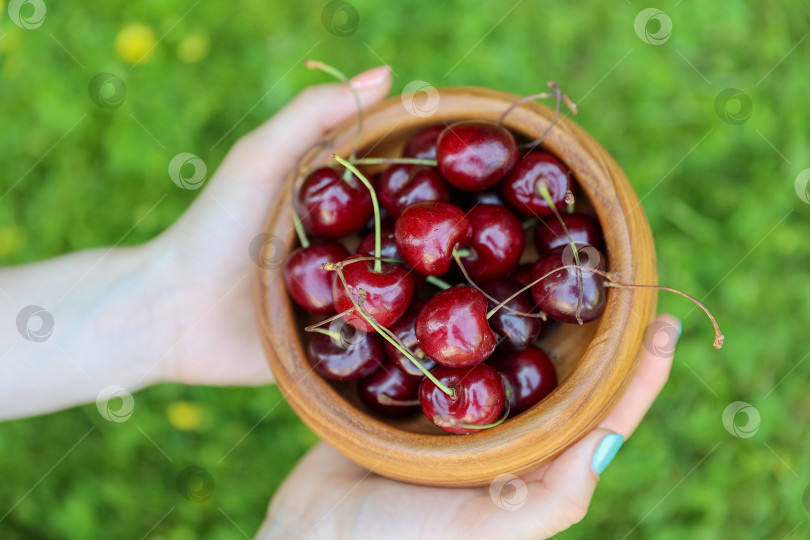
point(721, 202)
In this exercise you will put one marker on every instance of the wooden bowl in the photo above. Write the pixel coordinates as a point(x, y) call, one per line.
point(594, 362)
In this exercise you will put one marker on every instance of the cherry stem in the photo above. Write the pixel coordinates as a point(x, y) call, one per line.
point(437, 282)
point(374, 204)
point(543, 190)
point(396, 161)
point(317, 64)
point(384, 399)
point(334, 266)
point(447, 421)
point(390, 337)
point(529, 223)
point(559, 98)
point(462, 253)
point(299, 230)
point(314, 327)
point(718, 336)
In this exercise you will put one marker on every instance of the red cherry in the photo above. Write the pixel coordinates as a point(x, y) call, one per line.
point(453, 330)
point(518, 331)
point(401, 185)
point(474, 155)
point(331, 207)
point(523, 273)
point(520, 188)
point(404, 330)
point(308, 284)
point(343, 360)
point(496, 245)
point(390, 391)
point(529, 375)
point(426, 234)
point(388, 247)
point(387, 294)
point(386, 222)
point(491, 195)
point(584, 229)
point(479, 398)
point(423, 144)
point(558, 294)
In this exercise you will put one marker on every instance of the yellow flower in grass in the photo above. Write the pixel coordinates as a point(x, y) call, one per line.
point(185, 415)
point(135, 43)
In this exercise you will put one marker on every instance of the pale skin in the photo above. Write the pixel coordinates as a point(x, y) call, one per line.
point(179, 309)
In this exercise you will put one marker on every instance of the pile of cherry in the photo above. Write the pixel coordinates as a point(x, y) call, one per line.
point(442, 316)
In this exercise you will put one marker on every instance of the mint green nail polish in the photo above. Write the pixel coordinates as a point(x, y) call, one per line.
point(680, 329)
point(606, 452)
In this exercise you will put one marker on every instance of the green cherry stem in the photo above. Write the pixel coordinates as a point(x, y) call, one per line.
point(374, 204)
point(396, 161)
point(299, 230)
point(446, 421)
point(438, 282)
point(314, 327)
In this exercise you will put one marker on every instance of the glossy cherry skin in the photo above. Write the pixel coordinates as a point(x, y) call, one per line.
point(386, 222)
point(423, 144)
point(528, 374)
point(388, 294)
point(388, 247)
point(496, 244)
point(404, 330)
point(390, 391)
point(474, 155)
point(330, 207)
point(426, 234)
point(491, 195)
point(309, 285)
point(401, 185)
point(522, 273)
point(520, 188)
point(518, 331)
point(453, 330)
point(583, 229)
point(479, 398)
point(558, 294)
point(357, 359)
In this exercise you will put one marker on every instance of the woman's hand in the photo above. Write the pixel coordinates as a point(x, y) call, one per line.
point(328, 496)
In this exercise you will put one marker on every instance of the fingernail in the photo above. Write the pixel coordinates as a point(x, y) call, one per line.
point(606, 452)
point(368, 79)
point(680, 328)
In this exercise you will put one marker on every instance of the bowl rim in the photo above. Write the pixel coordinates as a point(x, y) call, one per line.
point(581, 400)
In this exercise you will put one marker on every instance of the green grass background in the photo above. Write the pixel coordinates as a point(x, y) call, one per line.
point(720, 198)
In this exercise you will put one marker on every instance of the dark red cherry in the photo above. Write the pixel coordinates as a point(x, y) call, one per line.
point(401, 185)
point(474, 155)
point(518, 331)
point(388, 247)
point(386, 222)
point(307, 283)
point(331, 207)
point(558, 294)
point(390, 391)
point(426, 234)
point(523, 273)
point(453, 330)
point(387, 294)
point(528, 375)
point(479, 398)
point(423, 144)
point(584, 229)
point(490, 195)
point(404, 330)
point(520, 188)
point(496, 244)
point(342, 360)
